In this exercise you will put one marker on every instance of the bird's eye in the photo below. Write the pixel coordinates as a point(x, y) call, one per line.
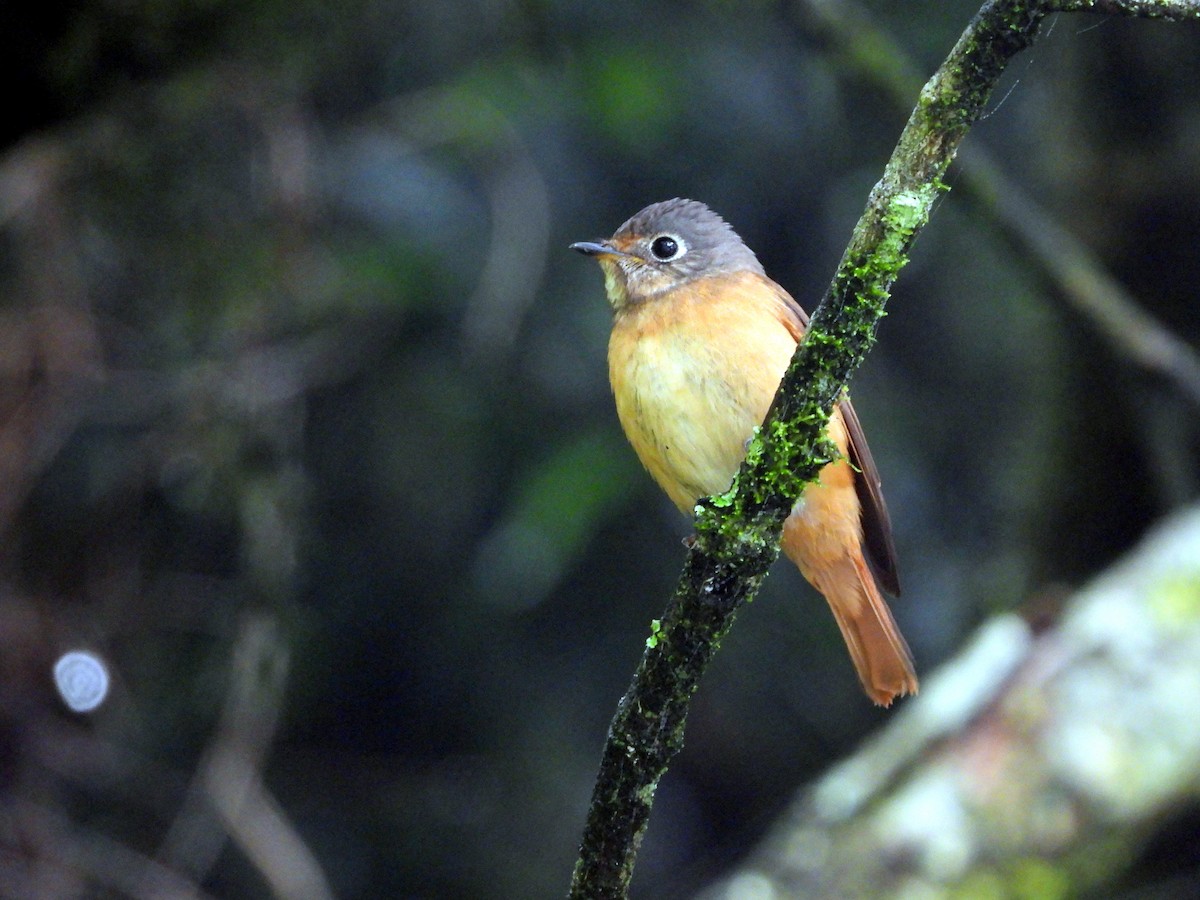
point(665, 247)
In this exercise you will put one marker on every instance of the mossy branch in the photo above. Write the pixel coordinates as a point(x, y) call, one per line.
point(848, 32)
point(737, 533)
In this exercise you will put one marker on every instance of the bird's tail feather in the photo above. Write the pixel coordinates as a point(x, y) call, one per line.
point(877, 648)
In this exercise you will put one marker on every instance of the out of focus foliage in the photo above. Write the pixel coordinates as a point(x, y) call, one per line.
point(290, 336)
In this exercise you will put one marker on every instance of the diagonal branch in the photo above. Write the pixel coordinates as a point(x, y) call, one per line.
point(737, 533)
point(1068, 262)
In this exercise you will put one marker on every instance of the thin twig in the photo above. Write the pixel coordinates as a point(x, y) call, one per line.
point(232, 771)
point(1085, 282)
point(229, 777)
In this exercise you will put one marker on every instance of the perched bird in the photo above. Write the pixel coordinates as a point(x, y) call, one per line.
point(701, 338)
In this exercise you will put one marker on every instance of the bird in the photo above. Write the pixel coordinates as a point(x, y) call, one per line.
point(700, 340)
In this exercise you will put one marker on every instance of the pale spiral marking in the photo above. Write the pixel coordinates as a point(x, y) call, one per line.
point(82, 680)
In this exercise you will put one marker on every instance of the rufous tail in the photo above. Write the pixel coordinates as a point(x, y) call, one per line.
point(878, 650)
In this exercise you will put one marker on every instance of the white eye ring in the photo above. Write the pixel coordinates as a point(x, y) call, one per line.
point(666, 247)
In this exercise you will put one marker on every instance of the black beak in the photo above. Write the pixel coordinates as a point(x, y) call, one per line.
point(596, 248)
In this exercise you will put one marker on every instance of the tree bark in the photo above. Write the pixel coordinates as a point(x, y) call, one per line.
point(1032, 765)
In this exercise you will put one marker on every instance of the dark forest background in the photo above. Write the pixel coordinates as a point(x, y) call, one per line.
point(305, 425)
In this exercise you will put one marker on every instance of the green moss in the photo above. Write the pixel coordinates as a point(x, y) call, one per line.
point(655, 631)
point(1174, 600)
point(1035, 878)
point(646, 793)
point(981, 884)
point(905, 213)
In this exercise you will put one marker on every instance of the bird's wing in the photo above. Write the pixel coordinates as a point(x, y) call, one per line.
point(877, 524)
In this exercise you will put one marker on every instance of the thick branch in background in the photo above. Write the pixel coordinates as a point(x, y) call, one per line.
point(1034, 765)
point(738, 533)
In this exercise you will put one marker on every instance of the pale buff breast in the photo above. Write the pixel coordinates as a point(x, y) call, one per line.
point(693, 374)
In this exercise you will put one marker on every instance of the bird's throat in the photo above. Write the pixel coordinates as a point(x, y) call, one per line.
point(615, 285)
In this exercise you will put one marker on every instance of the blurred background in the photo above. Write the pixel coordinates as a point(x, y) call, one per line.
point(305, 426)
